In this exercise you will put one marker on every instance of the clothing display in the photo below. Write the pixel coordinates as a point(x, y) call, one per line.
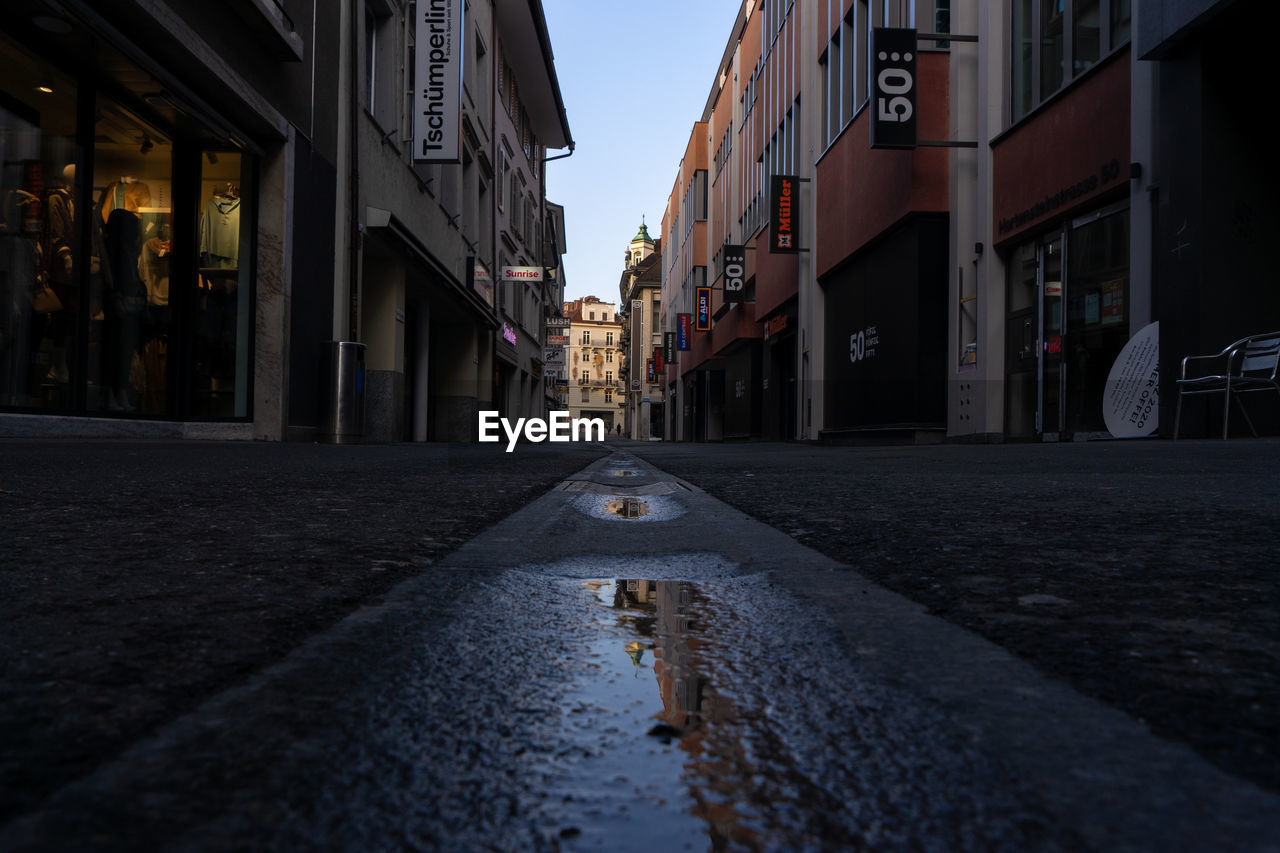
point(123, 235)
point(59, 231)
point(220, 232)
point(155, 271)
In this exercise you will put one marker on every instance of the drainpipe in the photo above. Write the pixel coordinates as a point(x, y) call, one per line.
point(353, 108)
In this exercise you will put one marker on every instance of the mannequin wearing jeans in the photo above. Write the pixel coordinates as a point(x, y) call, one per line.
point(126, 297)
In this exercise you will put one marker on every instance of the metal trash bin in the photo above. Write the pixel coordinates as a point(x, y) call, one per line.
point(342, 415)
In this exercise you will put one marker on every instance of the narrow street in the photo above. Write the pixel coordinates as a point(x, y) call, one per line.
point(627, 663)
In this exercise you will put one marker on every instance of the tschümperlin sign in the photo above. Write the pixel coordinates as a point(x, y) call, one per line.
point(437, 95)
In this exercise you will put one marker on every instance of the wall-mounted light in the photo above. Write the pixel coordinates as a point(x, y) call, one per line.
point(45, 88)
point(147, 145)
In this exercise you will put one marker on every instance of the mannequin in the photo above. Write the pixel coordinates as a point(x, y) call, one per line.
point(58, 257)
point(126, 294)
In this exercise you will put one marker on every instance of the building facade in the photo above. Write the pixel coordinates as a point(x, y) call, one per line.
point(640, 289)
point(1079, 203)
point(595, 360)
point(199, 201)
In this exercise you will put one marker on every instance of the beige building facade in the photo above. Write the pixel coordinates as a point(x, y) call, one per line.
point(640, 289)
point(594, 360)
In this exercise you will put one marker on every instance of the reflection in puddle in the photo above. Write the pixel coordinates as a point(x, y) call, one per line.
point(628, 507)
point(720, 715)
point(685, 773)
point(623, 472)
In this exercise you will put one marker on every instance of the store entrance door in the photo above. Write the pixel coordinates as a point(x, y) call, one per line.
point(1067, 321)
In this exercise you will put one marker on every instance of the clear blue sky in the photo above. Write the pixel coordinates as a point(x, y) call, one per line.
point(635, 77)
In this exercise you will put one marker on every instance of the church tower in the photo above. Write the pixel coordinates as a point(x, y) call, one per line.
point(640, 247)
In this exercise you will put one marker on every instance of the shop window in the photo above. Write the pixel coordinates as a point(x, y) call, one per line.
point(1088, 34)
point(223, 285)
point(382, 85)
point(131, 230)
point(41, 303)
point(1121, 22)
point(1055, 41)
point(1021, 78)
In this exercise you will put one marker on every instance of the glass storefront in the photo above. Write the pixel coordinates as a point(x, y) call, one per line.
point(1067, 320)
point(125, 251)
point(40, 257)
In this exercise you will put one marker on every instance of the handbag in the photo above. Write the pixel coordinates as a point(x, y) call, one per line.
point(44, 300)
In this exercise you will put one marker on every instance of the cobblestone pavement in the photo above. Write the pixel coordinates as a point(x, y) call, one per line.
point(138, 578)
point(1143, 574)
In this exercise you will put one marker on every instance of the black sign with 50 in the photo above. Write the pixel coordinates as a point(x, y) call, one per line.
point(734, 270)
point(893, 81)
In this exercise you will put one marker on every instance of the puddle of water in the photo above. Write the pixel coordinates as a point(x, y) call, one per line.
point(628, 507)
point(623, 472)
point(649, 700)
point(694, 729)
point(617, 508)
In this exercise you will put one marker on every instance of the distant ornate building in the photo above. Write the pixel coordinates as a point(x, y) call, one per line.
point(640, 289)
point(594, 360)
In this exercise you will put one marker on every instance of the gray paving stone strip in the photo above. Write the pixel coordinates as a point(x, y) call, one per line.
point(362, 719)
point(1096, 771)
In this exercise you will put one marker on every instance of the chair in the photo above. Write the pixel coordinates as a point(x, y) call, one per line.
point(1249, 364)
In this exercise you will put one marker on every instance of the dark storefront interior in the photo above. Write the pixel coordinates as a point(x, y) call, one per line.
point(126, 280)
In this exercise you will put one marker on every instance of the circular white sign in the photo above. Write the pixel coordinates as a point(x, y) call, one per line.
point(1131, 399)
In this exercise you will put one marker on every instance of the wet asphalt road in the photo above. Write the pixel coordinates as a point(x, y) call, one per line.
point(685, 679)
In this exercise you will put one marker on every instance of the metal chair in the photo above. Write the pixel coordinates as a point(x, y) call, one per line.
point(1249, 364)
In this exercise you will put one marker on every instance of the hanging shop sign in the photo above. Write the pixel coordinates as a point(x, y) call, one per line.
point(480, 280)
point(784, 218)
point(657, 359)
point(683, 323)
point(558, 340)
point(558, 322)
point(437, 96)
point(522, 273)
point(702, 298)
point(1131, 399)
point(893, 81)
point(653, 374)
point(509, 333)
point(733, 271)
point(669, 347)
point(553, 356)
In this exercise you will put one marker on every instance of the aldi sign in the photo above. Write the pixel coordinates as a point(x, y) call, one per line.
point(702, 323)
point(893, 94)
